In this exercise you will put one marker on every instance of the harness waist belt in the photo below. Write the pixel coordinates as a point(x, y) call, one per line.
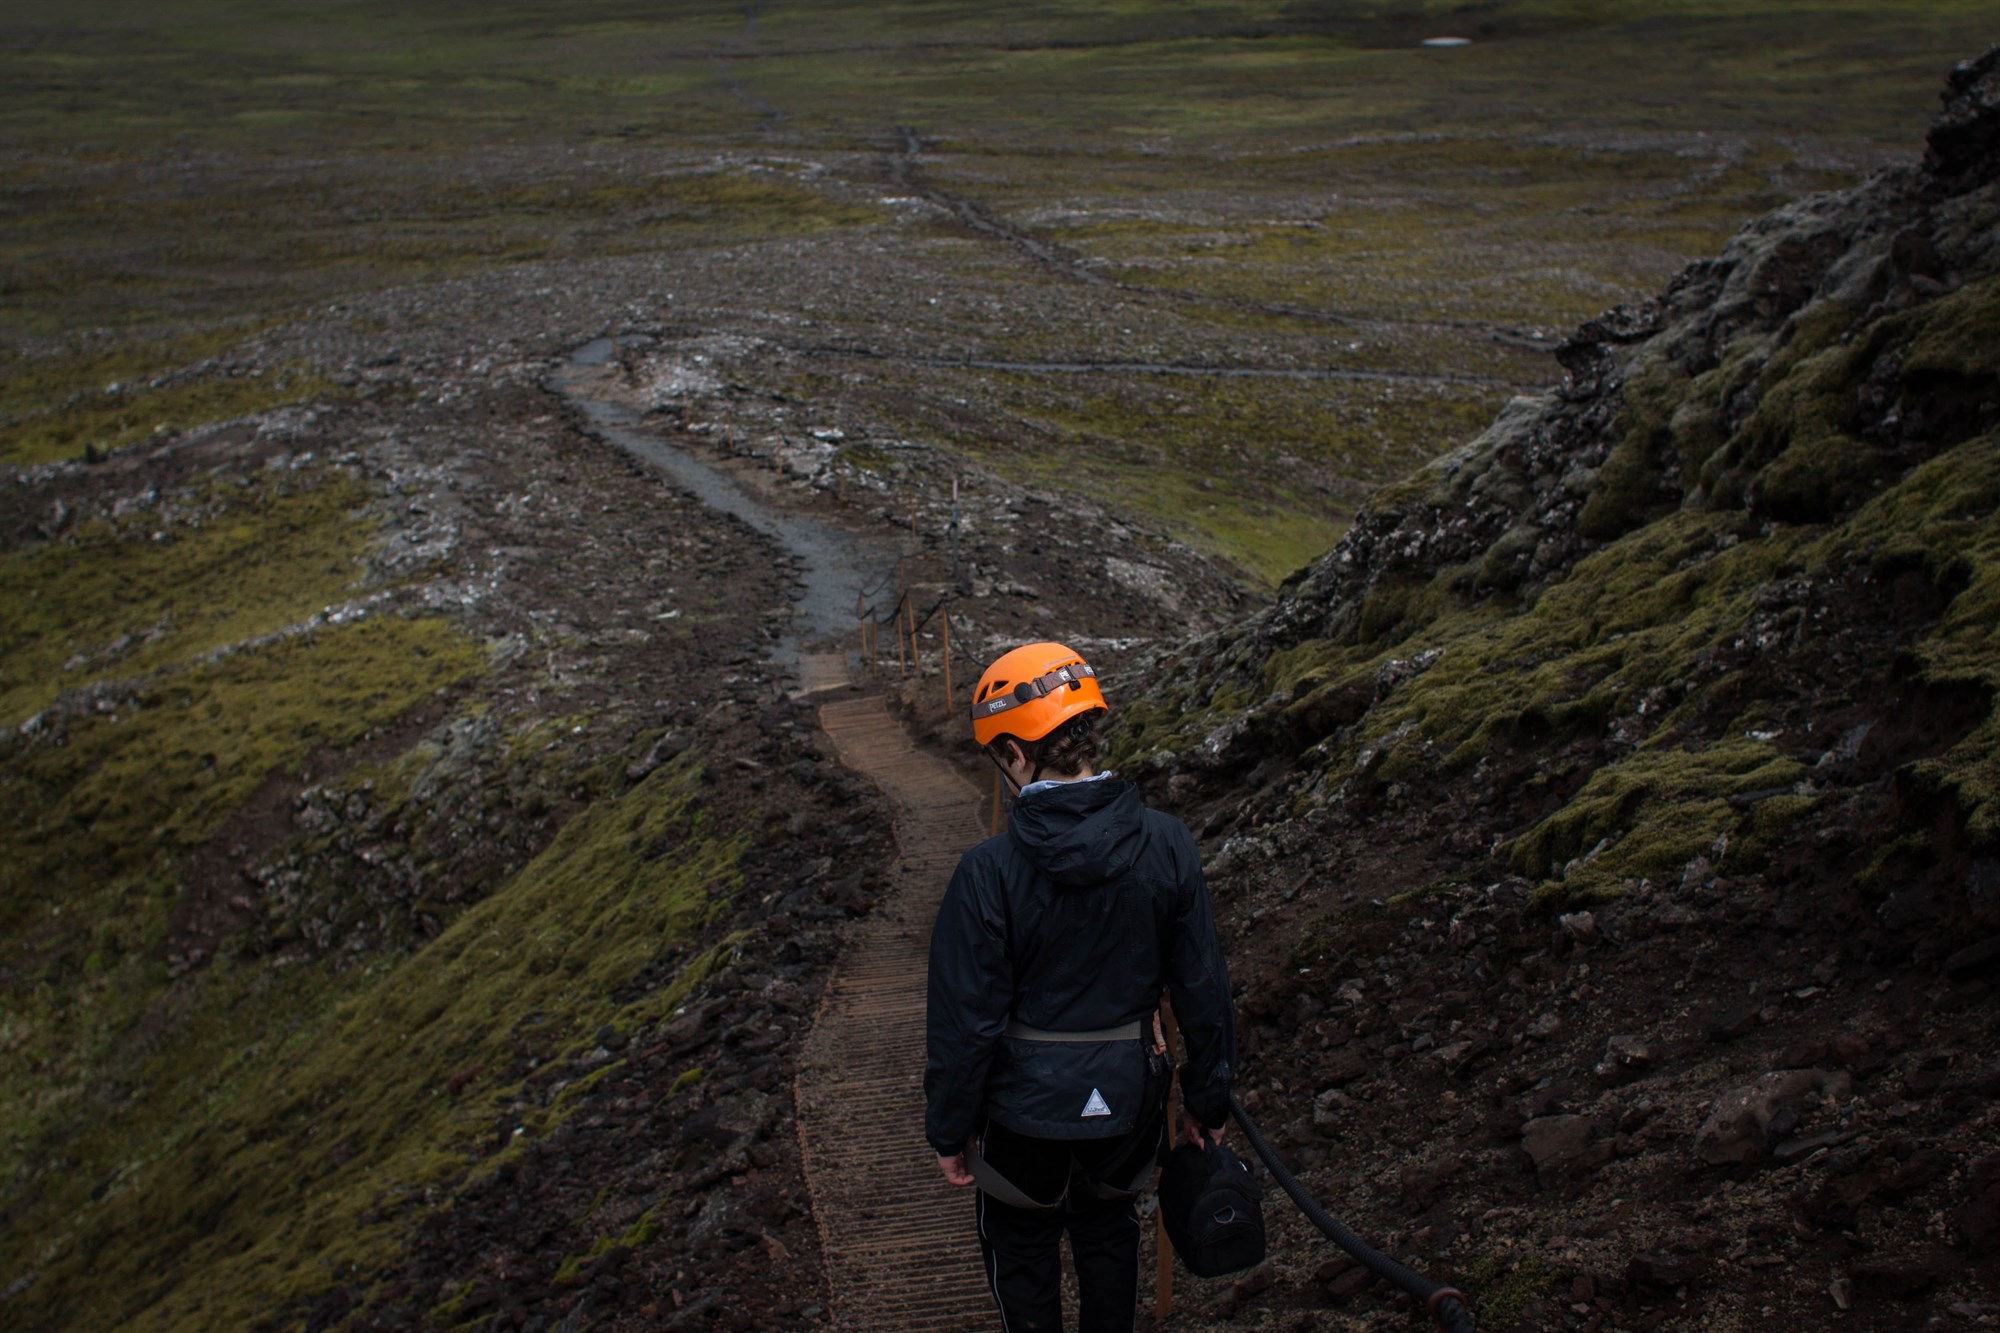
point(1123, 1032)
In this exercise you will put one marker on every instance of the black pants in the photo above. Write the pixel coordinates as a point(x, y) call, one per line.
point(1022, 1248)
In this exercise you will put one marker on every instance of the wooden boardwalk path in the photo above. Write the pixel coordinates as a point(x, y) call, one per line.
point(899, 1244)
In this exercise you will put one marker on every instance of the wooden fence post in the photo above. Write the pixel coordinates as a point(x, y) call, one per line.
point(945, 612)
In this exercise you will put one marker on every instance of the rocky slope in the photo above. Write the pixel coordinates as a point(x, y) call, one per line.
point(1609, 827)
point(415, 879)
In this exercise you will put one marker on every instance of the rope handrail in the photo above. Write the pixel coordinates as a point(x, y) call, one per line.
point(1447, 1305)
point(896, 609)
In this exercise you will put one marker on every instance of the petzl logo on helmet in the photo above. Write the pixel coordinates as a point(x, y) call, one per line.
point(1095, 1106)
point(1032, 690)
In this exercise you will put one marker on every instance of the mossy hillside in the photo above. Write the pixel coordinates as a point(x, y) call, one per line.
point(1263, 472)
point(1653, 649)
point(1940, 521)
point(316, 1141)
point(1666, 684)
point(161, 584)
point(36, 383)
point(98, 829)
point(112, 419)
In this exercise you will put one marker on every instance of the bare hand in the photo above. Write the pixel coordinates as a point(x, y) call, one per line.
point(1193, 1131)
point(954, 1169)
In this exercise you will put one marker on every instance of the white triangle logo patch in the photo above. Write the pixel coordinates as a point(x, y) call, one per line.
point(1095, 1106)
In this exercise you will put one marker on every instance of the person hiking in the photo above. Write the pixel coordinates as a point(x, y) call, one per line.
point(1045, 1075)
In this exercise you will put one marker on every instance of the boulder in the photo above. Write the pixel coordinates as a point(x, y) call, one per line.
point(1565, 1145)
point(1737, 1131)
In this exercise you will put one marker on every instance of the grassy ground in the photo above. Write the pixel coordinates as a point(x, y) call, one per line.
point(1296, 187)
point(178, 170)
point(291, 1129)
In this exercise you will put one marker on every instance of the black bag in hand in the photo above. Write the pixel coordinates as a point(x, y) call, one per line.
point(1213, 1210)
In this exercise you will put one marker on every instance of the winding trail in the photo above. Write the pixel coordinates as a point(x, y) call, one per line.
point(836, 565)
point(897, 1241)
point(904, 164)
point(903, 170)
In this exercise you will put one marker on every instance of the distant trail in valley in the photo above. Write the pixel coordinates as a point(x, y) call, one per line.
point(903, 168)
point(1305, 373)
point(769, 117)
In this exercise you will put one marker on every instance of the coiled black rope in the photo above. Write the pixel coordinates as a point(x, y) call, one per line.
point(1446, 1304)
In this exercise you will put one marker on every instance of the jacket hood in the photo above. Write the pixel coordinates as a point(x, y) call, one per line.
point(1081, 832)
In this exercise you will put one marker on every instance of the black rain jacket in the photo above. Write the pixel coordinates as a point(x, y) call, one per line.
point(1073, 920)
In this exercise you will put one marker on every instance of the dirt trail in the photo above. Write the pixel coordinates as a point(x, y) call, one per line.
point(897, 1240)
point(903, 170)
point(904, 163)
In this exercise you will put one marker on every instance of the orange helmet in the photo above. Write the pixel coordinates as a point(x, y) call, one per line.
point(1031, 691)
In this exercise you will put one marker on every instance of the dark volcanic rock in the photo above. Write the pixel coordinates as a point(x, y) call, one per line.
point(1527, 974)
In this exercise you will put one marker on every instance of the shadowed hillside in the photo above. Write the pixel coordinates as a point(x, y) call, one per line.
point(1610, 823)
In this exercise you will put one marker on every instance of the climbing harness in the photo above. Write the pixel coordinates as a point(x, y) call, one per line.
point(1130, 1170)
point(1447, 1305)
point(1020, 1031)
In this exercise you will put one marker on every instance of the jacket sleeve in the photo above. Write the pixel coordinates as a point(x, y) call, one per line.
point(1198, 979)
point(970, 996)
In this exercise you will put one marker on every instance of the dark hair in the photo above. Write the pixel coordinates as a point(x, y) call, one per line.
point(1070, 748)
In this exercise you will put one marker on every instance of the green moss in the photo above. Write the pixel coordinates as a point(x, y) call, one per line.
point(106, 421)
point(1957, 336)
point(1939, 519)
point(1811, 482)
point(329, 1101)
point(1804, 468)
point(1630, 642)
point(96, 830)
point(1654, 811)
point(1626, 491)
point(1173, 720)
point(32, 385)
point(687, 1078)
point(161, 586)
point(1629, 619)
point(1796, 458)
point(1501, 1288)
point(1624, 494)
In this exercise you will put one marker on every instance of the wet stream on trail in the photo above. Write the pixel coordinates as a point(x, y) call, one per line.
point(838, 567)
